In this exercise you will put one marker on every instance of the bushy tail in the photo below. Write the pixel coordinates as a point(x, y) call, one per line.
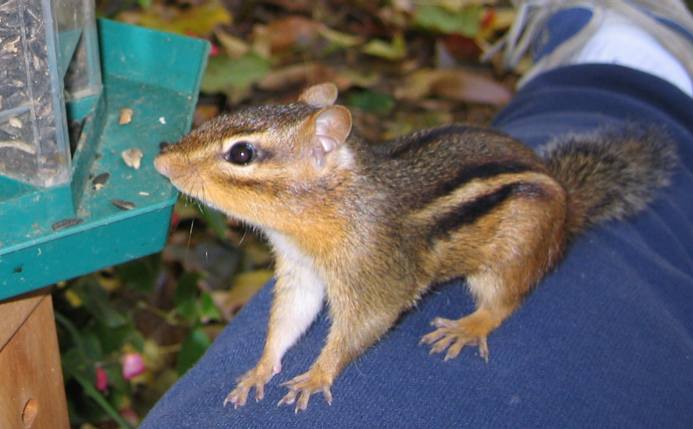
point(611, 173)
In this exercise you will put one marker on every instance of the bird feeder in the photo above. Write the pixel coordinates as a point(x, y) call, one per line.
point(83, 109)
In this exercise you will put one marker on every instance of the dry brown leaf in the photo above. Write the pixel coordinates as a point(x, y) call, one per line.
point(454, 84)
point(294, 5)
point(461, 4)
point(233, 46)
point(303, 74)
point(285, 33)
point(204, 112)
point(245, 286)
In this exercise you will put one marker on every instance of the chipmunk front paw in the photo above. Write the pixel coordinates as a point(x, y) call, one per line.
point(453, 335)
point(315, 380)
point(257, 378)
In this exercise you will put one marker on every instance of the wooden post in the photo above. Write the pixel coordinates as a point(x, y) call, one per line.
point(32, 393)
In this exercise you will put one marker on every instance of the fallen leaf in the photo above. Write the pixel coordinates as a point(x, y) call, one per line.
point(233, 46)
point(302, 74)
point(408, 122)
point(465, 21)
point(204, 112)
point(288, 32)
point(461, 47)
point(225, 74)
point(358, 77)
point(495, 21)
point(454, 84)
point(342, 40)
point(294, 5)
point(200, 20)
point(245, 286)
point(393, 51)
point(371, 102)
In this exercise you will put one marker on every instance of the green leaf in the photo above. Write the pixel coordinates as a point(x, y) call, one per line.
point(92, 346)
point(372, 102)
point(140, 274)
point(193, 347)
point(396, 50)
point(112, 339)
point(186, 296)
point(115, 377)
point(74, 359)
point(76, 355)
point(341, 40)
point(208, 311)
point(96, 302)
point(465, 22)
point(224, 73)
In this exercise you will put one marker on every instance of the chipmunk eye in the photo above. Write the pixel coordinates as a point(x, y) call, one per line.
point(241, 153)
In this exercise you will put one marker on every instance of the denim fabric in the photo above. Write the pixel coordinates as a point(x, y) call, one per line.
point(606, 340)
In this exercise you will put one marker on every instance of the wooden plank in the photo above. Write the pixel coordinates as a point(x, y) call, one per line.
point(32, 393)
point(14, 312)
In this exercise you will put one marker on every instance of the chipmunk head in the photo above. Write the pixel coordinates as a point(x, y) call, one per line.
point(258, 162)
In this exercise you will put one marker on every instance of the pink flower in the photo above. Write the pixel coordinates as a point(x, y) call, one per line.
point(101, 379)
point(133, 365)
point(214, 50)
point(130, 416)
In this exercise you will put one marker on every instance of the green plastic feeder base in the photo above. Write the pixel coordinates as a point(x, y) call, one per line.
point(110, 212)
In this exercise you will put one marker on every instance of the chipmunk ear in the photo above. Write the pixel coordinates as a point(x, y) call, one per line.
point(331, 127)
point(321, 95)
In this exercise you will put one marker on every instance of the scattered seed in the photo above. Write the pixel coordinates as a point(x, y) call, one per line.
point(123, 204)
point(125, 116)
point(66, 223)
point(162, 120)
point(100, 180)
point(144, 194)
point(132, 158)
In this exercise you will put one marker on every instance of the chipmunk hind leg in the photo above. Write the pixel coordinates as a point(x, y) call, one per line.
point(524, 240)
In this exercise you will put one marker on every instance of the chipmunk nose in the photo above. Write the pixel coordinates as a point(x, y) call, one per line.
point(162, 163)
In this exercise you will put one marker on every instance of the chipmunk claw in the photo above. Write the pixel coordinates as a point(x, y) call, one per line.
point(302, 387)
point(453, 336)
point(255, 378)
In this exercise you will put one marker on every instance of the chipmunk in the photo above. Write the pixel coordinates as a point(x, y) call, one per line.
point(370, 227)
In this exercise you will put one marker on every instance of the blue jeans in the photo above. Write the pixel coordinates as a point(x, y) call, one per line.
point(606, 340)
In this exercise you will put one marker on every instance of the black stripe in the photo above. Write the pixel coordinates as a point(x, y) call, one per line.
point(469, 212)
point(472, 172)
point(424, 140)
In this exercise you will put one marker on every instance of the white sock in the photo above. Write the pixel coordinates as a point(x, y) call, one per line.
point(618, 41)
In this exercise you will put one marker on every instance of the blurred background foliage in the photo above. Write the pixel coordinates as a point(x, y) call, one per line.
point(128, 332)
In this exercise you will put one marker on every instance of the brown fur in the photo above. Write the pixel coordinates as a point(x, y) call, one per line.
point(378, 224)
